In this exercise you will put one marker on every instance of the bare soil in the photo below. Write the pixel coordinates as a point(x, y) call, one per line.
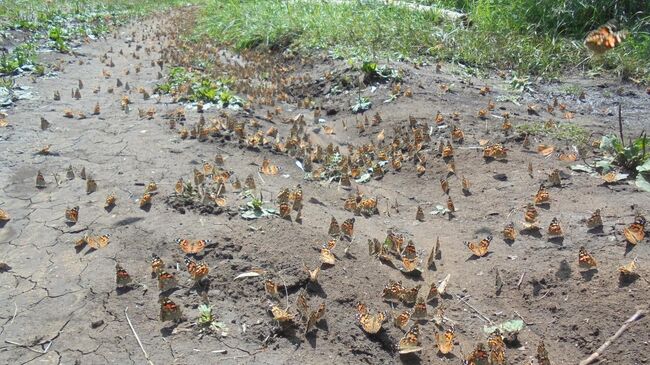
point(60, 306)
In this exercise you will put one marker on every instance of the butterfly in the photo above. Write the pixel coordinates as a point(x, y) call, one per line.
point(314, 317)
point(369, 323)
point(334, 229)
point(157, 264)
point(478, 357)
point(281, 315)
point(450, 205)
point(497, 348)
point(40, 181)
point(433, 292)
point(420, 309)
point(401, 320)
point(409, 295)
point(166, 281)
point(91, 185)
point(442, 286)
point(480, 249)
point(542, 196)
point(494, 151)
point(313, 274)
point(192, 247)
point(122, 278)
point(169, 311)
point(145, 200)
point(327, 257)
point(249, 183)
point(410, 266)
point(595, 220)
point(110, 200)
point(433, 255)
point(348, 227)
point(4, 216)
point(444, 185)
point(97, 242)
point(411, 341)
point(448, 150)
point(445, 341)
point(197, 270)
point(285, 211)
point(530, 215)
point(151, 187)
point(542, 355)
point(394, 241)
point(72, 214)
point(635, 232)
point(509, 232)
point(457, 134)
point(603, 39)
point(330, 245)
point(629, 270)
point(465, 184)
point(585, 260)
point(555, 229)
point(392, 291)
point(199, 177)
point(269, 169)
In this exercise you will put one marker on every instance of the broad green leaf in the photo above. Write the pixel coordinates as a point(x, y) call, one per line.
point(643, 182)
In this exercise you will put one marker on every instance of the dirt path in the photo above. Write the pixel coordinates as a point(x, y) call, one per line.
point(65, 302)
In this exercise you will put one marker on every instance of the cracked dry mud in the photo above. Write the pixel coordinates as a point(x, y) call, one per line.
point(65, 301)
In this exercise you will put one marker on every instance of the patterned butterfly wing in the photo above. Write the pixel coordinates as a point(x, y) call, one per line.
point(166, 281)
point(72, 215)
point(635, 232)
point(445, 341)
point(411, 341)
point(169, 311)
point(122, 278)
point(585, 260)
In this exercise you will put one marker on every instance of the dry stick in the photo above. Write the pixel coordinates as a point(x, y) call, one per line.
point(475, 310)
point(620, 124)
point(28, 348)
point(637, 316)
point(521, 279)
point(146, 356)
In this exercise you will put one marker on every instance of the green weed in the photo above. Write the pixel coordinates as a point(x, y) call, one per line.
point(22, 55)
point(190, 86)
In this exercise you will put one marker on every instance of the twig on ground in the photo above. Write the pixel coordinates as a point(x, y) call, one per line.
point(146, 356)
point(286, 291)
point(521, 279)
point(620, 124)
point(544, 296)
point(593, 357)
point(522, 318)
point(29, 348)
point(15, 312)
point(462, 300)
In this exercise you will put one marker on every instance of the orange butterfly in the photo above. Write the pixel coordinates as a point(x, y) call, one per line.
point(480, 249)
point(269, 169)
point(110, 200)
point(348, 227)
point(585, 260)
point(327, 257)
point(479, 356)
point(555, 229)
point(197, 270)
point(509, 232)
point(402, 319)
point(122, 278)
point(192, 247)
point(595, 220)
point(542, 196)
point(445, 342)
point(369, 323)
point(157, 264)
point(4, 216)
point(635, 232)
point(72, 214)
point(411, 341)
point(169, 311)
point(497, 348)
point(314, 317)
point(281, 315)
point(166, 281)
point(334, 229)
point(97, 242)
point(145, 200)
point(420, 309)
point(603, 39)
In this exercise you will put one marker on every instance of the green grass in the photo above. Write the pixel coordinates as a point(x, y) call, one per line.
point(563, 131)
point(59, 21)
point(518, 35)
